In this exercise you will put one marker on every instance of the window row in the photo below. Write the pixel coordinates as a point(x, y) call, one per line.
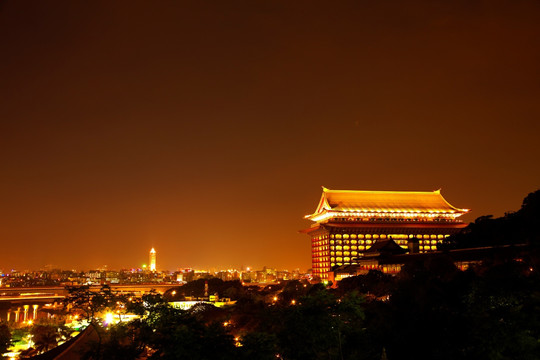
point(384, 236)
point(427, 247)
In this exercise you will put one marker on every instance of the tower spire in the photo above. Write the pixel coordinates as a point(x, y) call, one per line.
point(152, 260)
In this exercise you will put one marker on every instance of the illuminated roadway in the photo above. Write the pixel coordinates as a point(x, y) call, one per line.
point(60, 292)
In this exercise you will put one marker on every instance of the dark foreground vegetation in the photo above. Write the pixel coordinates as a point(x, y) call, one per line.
point(430, 310)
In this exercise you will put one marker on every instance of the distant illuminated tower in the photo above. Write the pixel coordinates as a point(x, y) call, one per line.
point(152, 260)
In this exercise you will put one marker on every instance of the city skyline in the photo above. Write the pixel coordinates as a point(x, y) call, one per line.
point(207, 132)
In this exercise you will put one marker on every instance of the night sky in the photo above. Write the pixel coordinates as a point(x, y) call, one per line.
point(206, 129)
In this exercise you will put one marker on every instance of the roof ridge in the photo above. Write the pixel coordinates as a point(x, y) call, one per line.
point(438, 191)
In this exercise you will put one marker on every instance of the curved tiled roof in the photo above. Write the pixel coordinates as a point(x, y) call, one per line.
point(385, 201)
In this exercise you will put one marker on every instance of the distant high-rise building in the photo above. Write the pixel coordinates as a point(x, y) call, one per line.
point(152, 260)
point(346, 223)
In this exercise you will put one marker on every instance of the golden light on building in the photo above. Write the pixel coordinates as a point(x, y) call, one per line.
point(152, 260)
point(348, 222)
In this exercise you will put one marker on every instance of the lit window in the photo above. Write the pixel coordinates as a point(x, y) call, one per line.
point(332, 242)
point(361, 248)
point(345, 236)
point(332, 253)
point(368, 236)
point(361, 236)
point(375, 236)
point(354, 242)
point(433, 242)
point(339, 247)
point(354, 247)
point(339, 253)
point(353, 236)
point(346, 253)
point(383, 236)
point(339, 259)
point(338, 236)
point(346, 259)
point(368, 242)
point(346, 247)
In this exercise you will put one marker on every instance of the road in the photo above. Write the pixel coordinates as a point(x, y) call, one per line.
point(59, 292)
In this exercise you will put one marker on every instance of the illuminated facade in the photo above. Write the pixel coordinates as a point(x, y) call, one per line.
point(152, 260)
point(349, 222)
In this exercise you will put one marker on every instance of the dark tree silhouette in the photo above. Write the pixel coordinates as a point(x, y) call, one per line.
point(5, 338)
point(520, 227)
point(45, 337)
point(92, 305)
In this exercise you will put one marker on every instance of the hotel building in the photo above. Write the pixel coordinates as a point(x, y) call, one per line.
point(346, 223)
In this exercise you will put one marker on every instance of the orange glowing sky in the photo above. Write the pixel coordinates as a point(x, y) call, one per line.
point(206, 129)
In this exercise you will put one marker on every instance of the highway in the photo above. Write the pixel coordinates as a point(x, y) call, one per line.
point(59, 292)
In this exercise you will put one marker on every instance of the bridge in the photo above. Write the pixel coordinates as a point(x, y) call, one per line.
point(23, 304)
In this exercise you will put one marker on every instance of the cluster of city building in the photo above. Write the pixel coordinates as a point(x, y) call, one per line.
point(57, 277)
point(352, 232)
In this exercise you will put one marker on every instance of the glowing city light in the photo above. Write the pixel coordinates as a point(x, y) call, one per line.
point(109, 318)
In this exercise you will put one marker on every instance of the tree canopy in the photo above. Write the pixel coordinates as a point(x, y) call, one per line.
point(5, 338)
point(520, 227)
